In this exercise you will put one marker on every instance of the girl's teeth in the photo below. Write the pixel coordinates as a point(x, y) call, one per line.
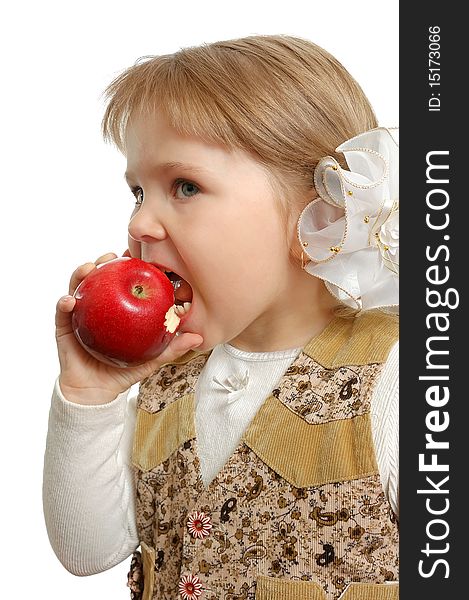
point(181, 310)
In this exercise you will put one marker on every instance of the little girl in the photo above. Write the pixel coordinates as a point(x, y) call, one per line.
point(259, 459)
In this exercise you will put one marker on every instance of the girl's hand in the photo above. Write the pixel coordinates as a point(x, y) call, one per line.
point(85, 380)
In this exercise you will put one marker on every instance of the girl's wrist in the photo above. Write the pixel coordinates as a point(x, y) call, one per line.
point(86, 396)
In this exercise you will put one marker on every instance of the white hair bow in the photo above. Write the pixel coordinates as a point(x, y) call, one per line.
point(351, 231)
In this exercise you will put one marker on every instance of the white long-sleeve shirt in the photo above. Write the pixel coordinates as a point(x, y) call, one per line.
point(88, 484)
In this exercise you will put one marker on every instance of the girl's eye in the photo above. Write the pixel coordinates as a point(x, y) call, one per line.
point(138, 193)
point(185, 189)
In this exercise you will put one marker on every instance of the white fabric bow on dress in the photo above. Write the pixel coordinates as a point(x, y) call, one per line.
point(235, 385)
point(351, 232)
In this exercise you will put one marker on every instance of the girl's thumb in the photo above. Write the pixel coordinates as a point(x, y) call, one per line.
point(179, 345)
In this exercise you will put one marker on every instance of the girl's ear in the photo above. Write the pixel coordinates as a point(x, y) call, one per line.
point(296, 209)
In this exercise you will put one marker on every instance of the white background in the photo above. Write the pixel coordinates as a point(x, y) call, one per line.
point(64, 200)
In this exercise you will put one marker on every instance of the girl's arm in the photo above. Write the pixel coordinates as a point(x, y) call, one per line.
point(88, 495)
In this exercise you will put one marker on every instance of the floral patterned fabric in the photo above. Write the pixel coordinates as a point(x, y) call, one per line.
point(135, 576)
point(213, 543)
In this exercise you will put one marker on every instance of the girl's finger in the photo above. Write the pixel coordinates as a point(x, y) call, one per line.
point(64, 307)
point(78, 275)
point(105, 258)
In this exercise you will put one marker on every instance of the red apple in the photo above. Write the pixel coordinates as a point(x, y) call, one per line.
point(124, 314)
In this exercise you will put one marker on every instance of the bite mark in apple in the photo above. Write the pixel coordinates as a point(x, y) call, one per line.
point(171, 320)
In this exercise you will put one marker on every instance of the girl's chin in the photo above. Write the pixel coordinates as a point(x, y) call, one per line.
point(194, 322)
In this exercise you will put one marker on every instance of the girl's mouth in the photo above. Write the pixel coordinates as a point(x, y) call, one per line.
point(182, 293)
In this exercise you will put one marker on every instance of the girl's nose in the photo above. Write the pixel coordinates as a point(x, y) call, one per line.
point(145, 226)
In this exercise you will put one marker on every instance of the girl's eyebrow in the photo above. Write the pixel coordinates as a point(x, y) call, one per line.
point(168, 166)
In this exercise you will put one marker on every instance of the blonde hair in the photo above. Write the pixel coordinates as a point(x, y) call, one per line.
point(283, 99)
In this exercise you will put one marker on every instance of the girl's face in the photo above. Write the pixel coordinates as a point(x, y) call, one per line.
point(210, 215)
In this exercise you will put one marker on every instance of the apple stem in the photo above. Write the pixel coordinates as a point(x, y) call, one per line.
point(138, 291)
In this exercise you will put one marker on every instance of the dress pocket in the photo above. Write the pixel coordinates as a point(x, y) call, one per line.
point(371, 591)
point(148, 559)
point(270, 588)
